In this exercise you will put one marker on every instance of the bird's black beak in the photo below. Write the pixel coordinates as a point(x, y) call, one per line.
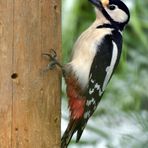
point(96, 3)
point(100, 4)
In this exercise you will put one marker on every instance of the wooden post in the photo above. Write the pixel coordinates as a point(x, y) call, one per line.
point(29, 97)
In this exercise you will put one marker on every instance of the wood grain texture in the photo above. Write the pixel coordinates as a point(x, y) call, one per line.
point(29, 103)
point(6, 42)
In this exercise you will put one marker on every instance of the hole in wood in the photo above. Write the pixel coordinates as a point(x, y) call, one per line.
point(14, 75)
point(55, 7)
point(16, 129)
point(55, 120)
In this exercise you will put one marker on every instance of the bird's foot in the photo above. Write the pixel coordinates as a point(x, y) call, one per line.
point(53, 62)
point(52, 55)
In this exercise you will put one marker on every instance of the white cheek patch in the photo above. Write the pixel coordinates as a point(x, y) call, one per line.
point(117, 15)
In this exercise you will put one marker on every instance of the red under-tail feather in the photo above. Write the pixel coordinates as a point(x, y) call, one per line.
point(76, 106)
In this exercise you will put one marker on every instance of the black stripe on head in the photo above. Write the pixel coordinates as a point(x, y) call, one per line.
point(123, 7)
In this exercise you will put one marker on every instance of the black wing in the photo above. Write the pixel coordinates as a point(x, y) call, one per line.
point(98, 74)
point(98, 71)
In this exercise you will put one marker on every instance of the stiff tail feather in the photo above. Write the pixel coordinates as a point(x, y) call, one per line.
point(73, 126)
point(80, 131)
point(71, 129)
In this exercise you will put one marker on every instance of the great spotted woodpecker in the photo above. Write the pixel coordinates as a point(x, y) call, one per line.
point(95, 57)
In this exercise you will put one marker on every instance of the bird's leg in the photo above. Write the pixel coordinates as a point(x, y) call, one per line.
point(53, 62)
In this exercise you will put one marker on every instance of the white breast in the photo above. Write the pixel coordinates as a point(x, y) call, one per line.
point(84, 51)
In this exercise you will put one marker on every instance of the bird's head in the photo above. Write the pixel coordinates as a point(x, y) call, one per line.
point(114, 11)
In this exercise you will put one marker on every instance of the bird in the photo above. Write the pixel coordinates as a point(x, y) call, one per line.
point(95, 56)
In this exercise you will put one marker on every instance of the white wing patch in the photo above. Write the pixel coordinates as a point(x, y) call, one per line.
point(110, 68)
point(87, 115)
point(91, 91)
point(90, 102)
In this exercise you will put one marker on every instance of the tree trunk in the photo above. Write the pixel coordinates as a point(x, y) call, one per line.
point(29, 96)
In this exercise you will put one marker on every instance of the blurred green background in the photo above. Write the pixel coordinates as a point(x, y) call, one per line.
point(121, 120)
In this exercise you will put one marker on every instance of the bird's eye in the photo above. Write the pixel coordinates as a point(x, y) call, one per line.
point(112, 7)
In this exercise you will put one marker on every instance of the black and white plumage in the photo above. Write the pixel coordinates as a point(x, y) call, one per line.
point(95, 57)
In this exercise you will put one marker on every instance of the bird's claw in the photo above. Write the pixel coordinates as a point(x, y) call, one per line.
point(52, 55)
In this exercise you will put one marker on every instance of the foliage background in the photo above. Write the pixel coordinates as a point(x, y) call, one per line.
point(121, 120)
